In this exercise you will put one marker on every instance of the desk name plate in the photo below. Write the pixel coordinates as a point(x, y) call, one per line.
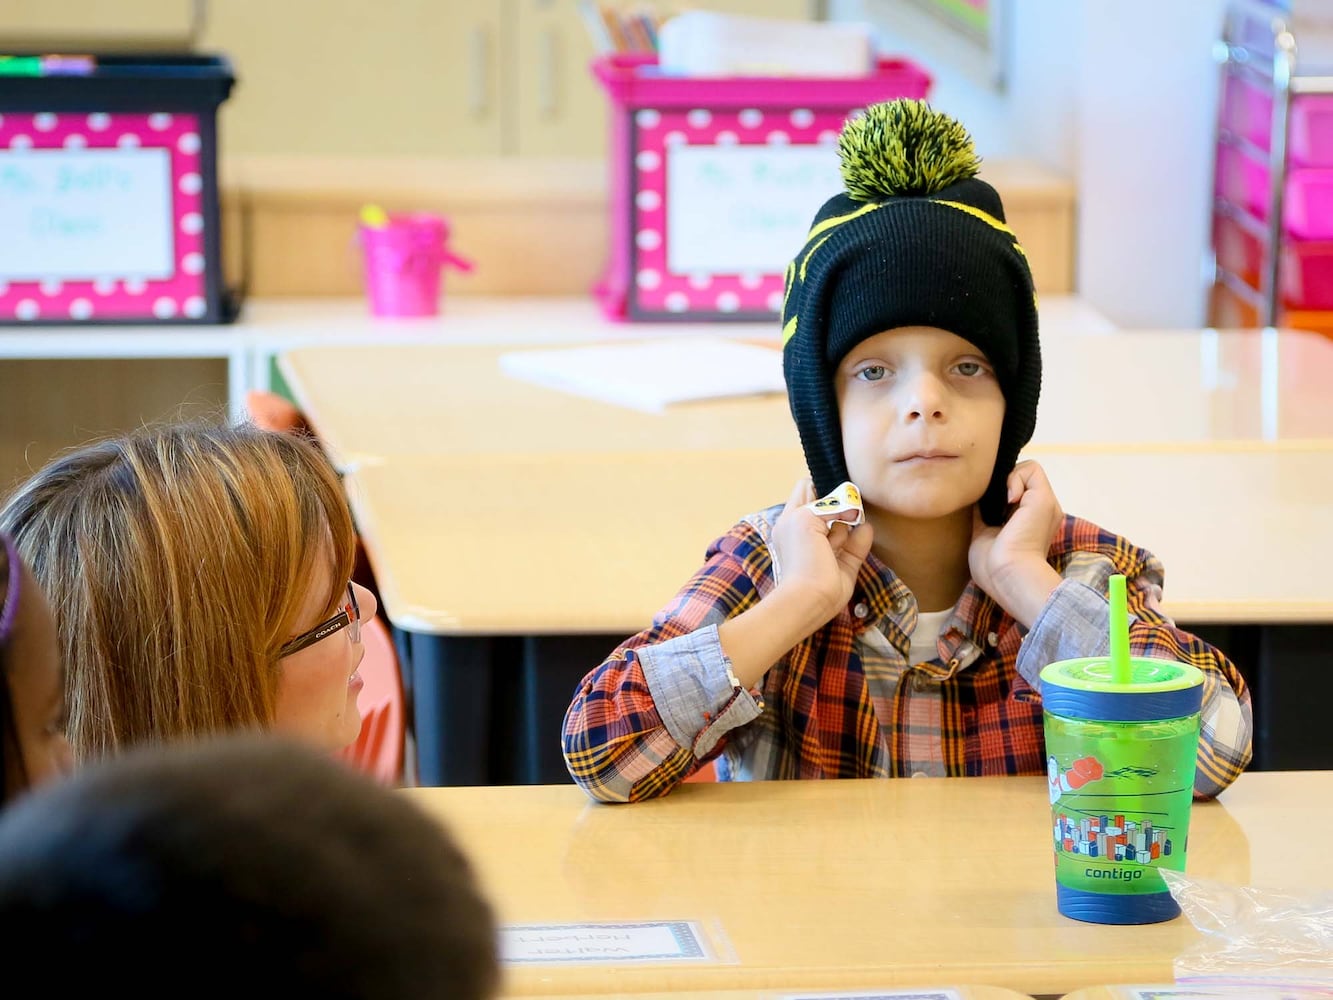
point(655, 941)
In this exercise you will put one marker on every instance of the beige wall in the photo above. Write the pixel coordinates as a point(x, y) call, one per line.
point(50, 405)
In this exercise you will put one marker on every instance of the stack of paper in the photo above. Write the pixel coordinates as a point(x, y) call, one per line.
point(650, 375)
point(709, 43)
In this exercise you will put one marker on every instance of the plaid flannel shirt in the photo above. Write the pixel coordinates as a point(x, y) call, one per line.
point(846, 703)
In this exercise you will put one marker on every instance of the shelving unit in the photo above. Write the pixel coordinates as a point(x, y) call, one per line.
point(1263, 63)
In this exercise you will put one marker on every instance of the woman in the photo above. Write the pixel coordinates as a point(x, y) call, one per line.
point(33, 748)
point(199, 576)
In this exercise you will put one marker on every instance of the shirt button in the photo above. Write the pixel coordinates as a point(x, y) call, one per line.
point(920, 774)
point(919, 683)
point(900, 604)
point(861, 610)
point(992, 639)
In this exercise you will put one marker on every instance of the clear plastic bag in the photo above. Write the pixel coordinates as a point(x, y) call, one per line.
point(1263, 938)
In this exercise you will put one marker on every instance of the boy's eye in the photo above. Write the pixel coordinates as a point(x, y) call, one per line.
point(872, 373)
point(970, 368)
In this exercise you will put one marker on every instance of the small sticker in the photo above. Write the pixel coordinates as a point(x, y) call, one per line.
point(843, 504)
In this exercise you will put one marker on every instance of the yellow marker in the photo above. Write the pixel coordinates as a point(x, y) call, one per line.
point(374, 217)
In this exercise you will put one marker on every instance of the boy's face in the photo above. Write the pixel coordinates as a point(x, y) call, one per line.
point(921, 413)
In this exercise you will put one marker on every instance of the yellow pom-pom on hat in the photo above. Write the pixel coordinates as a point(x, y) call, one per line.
point(904, 147)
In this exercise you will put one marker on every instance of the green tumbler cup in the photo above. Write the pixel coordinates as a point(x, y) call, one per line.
point(1120, 764)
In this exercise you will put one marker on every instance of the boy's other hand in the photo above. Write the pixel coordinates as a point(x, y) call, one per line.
point(816, 559)
point(1009, 562)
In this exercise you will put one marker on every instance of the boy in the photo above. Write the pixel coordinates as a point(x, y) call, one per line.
point(910, 644)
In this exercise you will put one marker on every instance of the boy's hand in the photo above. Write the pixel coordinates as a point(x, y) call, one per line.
point(1009, 562)
point(817, 560)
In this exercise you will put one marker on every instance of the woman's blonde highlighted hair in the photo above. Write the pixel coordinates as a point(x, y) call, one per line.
point(176, 561)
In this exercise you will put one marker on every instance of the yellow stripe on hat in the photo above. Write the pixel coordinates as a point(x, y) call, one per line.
point(837, 220)
point(789, 331)
point(984, 216)
point(989, 219)
point(811, 252)
point(824, 228)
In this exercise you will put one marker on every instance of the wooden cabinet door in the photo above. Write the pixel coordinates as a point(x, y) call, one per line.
point(558, 108)
point(354, 78)
point(796, 10)
point(63, 25)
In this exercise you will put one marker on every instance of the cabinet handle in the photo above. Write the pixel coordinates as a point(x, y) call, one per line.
point(479, 52)
point(546, 66)
point(198, 21)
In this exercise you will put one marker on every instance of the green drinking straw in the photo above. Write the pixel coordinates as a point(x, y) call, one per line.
point(1121, 671)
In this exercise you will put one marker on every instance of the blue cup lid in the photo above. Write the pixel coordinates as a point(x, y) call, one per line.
point(1158, 689)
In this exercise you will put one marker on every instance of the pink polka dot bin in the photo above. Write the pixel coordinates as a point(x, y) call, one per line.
point(713, 291)
point(713, 182)
point(180, 294)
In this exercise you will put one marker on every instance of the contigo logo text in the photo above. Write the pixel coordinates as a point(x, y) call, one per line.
point(1113, 873)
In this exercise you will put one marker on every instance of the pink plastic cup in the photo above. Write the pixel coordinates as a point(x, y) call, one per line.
point(404, 259)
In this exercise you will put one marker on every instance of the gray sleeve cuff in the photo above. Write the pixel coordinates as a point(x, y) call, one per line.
point(689, 677)
point(1074, 623)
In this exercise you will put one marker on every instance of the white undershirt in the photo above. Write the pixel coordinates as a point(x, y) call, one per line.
point(926, 635)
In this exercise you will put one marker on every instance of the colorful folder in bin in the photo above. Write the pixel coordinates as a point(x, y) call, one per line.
point(714, 182)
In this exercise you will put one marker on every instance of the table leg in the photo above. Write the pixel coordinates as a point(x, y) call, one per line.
point(1290, 672)
point(450, 684)
point(549, 671)
point(1293, 692)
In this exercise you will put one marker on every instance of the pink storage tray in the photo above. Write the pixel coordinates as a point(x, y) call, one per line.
point(1307, 274)
point(1248, 112)
point(1308, 197)
point(651, 113)
point(1306, 270)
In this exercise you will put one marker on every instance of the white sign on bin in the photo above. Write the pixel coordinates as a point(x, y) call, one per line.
point(733, 209)
point(86, 213)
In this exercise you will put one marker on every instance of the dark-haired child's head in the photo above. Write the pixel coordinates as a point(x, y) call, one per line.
point(240, 865)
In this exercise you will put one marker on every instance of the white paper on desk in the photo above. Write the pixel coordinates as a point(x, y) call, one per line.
point(650, 375)
point(656, 941)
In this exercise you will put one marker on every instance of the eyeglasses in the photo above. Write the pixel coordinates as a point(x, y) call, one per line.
point(348, 618)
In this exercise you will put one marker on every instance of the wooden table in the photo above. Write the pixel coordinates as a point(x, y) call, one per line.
point(1214, 449)
point(543, 563)
point(1185, 390)
point(1236, 530)
point(855, 884)
point(411, 401)
point(1142, 390)
point(509, 577)
point(1243, 535)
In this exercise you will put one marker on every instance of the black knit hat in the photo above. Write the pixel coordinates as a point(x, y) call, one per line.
point(915, 240)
